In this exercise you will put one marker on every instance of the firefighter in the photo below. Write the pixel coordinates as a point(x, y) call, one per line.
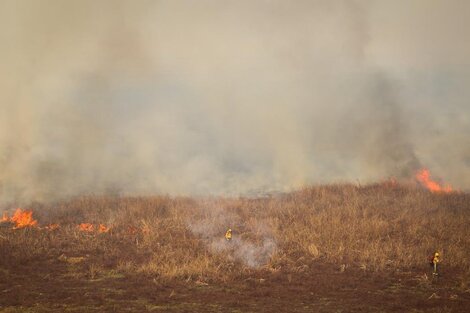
point(228, 234)
point(435, 263)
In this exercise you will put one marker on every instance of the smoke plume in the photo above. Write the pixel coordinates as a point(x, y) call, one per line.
point(229, 97)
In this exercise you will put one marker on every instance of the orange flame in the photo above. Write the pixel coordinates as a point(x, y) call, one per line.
point(85, 227)
point(23, 219)
point(103, 229)
point(424, 177)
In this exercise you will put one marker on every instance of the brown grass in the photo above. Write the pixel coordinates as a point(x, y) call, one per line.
point(375, 227)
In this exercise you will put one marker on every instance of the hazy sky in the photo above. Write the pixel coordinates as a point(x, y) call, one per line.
point(230, 97)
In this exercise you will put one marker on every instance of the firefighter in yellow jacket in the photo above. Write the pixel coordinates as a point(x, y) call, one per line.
point(228, 234)
point(435, 259)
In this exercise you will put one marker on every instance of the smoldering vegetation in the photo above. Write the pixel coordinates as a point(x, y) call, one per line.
point(381, 227)
point(228, 98)
point(253, 243)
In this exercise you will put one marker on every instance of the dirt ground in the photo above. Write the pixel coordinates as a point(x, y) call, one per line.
point(53, 286)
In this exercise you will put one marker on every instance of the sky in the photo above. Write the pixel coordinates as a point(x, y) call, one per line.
point(227, 97)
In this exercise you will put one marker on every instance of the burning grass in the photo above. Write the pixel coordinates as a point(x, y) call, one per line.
point(376, 230)
point(20, 219)
point(376, 227)
point(424, 178)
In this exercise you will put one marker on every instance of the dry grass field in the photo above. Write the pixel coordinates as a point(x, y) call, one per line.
point(332, 248)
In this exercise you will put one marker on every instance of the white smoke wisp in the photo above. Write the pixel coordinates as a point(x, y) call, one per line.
point(251, 254)
point(252, 244)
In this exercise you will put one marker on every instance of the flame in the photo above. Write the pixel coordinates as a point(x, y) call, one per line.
point(23, 219)
point(52, 227)
point(103, 229)
point(85, 227)
point(424, 177)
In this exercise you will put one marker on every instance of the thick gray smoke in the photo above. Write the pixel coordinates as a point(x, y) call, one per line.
point(229, 97)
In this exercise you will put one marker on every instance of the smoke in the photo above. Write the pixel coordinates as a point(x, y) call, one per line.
point(253, 241)
point(229, 97)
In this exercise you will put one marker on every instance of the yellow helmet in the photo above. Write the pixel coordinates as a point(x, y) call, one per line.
point(436, 254)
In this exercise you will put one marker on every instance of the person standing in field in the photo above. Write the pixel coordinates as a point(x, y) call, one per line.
point(434, 262)
point(228, 234)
